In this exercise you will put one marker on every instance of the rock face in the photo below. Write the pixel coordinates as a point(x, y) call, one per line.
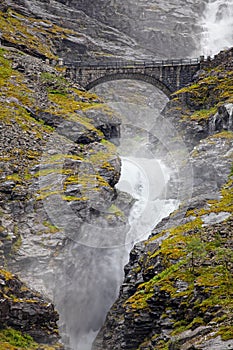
point(123, 29)
point(58, 170)
point(27, 311)
point(150, 23)
point(176, 291)
point(60, 213)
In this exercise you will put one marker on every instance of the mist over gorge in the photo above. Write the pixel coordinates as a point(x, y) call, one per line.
point(76, 208)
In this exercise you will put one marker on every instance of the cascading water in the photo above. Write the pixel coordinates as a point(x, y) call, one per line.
point(217, 25)
point(145, 179)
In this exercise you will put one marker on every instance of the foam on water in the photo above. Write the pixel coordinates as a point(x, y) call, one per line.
point(145, 179)
point(217, 25)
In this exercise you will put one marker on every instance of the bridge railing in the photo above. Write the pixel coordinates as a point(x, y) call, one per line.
point(131, 64)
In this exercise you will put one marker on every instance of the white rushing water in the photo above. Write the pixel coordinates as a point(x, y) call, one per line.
point(217, 25)
point(146, 180)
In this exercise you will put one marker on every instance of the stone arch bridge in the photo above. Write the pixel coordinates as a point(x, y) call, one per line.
point(167, 75)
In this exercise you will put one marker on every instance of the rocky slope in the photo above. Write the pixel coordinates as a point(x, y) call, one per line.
point(62, 31)
point(54, 149)
point(58, 170)
point(27, 319)
point(177, 292)
point(122, 29)
point(165, 30)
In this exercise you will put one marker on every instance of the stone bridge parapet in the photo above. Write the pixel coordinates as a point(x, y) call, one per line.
point(167, 75)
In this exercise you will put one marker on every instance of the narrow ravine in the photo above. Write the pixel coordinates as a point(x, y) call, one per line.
point(145, 177)
point(67, 227)
point(153, 179)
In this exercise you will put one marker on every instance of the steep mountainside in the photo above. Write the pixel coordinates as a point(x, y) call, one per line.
point(177, 292)
point(123, 29)
point(164, 29)
point(58, 170)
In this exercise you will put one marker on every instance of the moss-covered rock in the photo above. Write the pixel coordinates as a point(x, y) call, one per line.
point(177, 292)
point(26, 317)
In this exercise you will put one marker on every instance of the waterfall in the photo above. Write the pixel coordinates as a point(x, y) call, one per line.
point(217, 25)
point(145, 179)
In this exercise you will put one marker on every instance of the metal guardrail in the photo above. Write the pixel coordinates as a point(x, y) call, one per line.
point(131, 64)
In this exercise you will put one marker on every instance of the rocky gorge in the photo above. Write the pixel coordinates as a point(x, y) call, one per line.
point(61, 214)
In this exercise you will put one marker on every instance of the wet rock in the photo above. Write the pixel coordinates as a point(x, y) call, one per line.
point(7, 186)
point(26, 310)
point(223, 119)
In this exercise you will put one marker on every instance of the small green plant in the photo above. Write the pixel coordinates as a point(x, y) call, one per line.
point(54, 83)
point(16, 338)
point(196, 251)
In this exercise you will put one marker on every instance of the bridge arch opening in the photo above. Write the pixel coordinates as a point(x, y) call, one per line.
point(127, 76)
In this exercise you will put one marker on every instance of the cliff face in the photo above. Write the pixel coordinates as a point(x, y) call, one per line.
point(165, 30)
point(63, 31)
point(28, 316)
point(177, 292)
point(58, 169)
point(122, 29)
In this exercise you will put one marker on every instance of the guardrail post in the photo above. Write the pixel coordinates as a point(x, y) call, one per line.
point(60, 62)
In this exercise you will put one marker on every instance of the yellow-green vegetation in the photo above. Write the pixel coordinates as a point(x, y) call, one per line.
point(17, 244)
point(60, 158)
point(115, 210)
point(201, 114)
point(87, 182)
point(11, 81)
point(50, 227)
point(212, 90)
point(63, 104)
point(223, 135)
point(55, 84)
point(101, 158)
point(90, 96)
point(28, 33)
point(63, 101)
point(12, 339)
point(200, 258)
point(6, 274)
point(225, 204)
point(15, 94)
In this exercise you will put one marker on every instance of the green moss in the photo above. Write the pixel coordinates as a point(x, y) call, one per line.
point(50, 228)
point(113, 209)
point(60, 158)
point(202, 114)
point(179, 327)
point(15, 338)
point(41, 195)
point(45, 172)
point(6, 275)
point(211, 91)
point(145, 290)
point(16, 246)
point(54, 84)
point(224, 204)
point(201, 262)
point(26, 32)
point(225, 332)
point(223, 135)
point(74, 198)
point(66, 106)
